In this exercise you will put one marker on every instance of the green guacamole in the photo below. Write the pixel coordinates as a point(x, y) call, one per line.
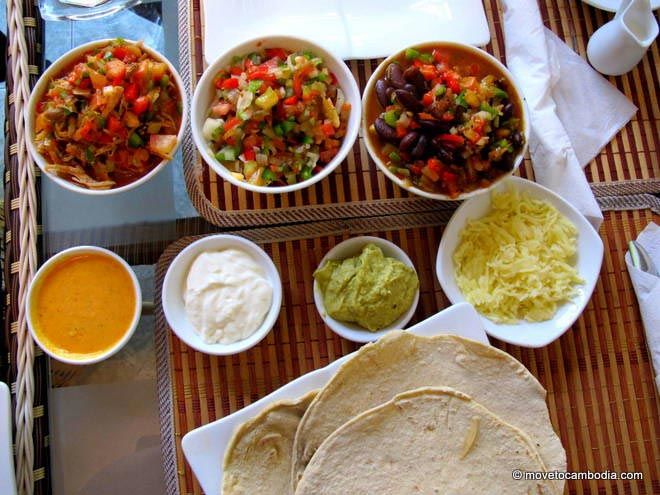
point(371, 289)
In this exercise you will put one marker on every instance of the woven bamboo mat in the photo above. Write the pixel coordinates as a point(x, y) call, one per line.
point(598, 375)
point(357, 189)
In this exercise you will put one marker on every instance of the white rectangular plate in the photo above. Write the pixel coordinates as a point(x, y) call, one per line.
point(7, 482)
point(204, 447)
point(349, 29)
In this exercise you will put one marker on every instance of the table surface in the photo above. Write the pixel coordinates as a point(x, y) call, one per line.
point(139, 227)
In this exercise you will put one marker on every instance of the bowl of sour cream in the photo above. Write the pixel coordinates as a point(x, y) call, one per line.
point(222, 294)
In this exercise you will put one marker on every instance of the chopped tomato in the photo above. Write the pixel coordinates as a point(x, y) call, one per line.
point(231, 123)
point(262, 73)
point(327, 129)
point(291, 100)
point(448, 176)
point(300, 77)
point(120, 52)
point(231, 83)
point(447, 116)
point(401, 130)
point(451, 80)
point(249, 154)
point(131, 92)
point(236, 70)
point(427, 99)
point(428, 71)
point(276, 53)
point(87, 131)
point(437, 56)
point(434, 164)
point(416, 169)
point(162, 144)
point(114, 125)
point(451, 140)
point(115, 70)
point(140, 75)
point(141, 105)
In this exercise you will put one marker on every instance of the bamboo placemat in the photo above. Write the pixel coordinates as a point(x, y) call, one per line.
point(599, 379)
point(357, 189)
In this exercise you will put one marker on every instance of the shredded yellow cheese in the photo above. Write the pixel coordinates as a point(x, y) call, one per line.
point(518, 262)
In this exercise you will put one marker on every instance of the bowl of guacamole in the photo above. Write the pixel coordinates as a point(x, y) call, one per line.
point(365, 287)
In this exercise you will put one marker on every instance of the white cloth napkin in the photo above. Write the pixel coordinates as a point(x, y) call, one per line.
point(647, 289)
point(574, 111)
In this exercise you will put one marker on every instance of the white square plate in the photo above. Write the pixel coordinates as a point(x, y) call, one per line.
point(589, 260)
point(204, 447)
point(349, 29)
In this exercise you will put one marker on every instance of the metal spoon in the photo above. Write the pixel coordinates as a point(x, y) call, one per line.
point(641, 259)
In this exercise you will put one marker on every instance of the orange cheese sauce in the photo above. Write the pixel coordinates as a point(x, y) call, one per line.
point(83, 305)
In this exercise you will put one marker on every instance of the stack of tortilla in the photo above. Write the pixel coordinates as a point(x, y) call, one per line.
point(406, 414)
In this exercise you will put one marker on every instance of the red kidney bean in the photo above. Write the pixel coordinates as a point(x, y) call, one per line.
point(415, 77)
point(395, 76)
point(384, 130)
point(408, 100)
point(420, 147)
point(381, 93)
point(408, 141)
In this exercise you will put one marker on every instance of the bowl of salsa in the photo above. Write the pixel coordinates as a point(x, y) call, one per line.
point(275, 114)
point(106, 116)
point(444, 120)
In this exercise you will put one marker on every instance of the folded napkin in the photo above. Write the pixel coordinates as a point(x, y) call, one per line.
point(647, 289)
point(574, 111)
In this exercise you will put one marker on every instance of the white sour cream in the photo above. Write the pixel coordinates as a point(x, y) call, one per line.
point(227, 296)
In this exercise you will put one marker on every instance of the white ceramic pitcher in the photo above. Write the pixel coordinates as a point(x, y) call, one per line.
point(616, 47)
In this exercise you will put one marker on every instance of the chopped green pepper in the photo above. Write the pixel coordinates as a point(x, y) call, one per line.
point(164, 81)
point(226, 154)
point(411, 53)
point(288, 125)
point(427, 58)
point(255, 85)
point(441, 90)
point(268, 175)
point(89, 155)
point(487, 108)
point(391, 117)
point(499, 93)
point(135, 140)
point(307, 139)
point(306, 173)
point(394, 156)
point(279, 131)
point(460, 100)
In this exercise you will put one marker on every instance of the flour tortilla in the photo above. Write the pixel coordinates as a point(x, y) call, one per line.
point(258, 459)
point(430, 440)
point(401, 361)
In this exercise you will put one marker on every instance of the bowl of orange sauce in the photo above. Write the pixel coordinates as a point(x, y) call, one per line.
point(83, 305)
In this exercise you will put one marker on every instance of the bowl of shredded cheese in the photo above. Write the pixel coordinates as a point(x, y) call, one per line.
point(524, 258)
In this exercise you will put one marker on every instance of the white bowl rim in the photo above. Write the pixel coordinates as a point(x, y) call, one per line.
point(370, 88)
point(270, 40)
point(54, 70)
point(215, 242)
point(59, 257)
point(588, 287)
point(359, 334)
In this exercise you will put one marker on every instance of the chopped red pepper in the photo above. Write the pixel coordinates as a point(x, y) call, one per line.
point(448, 176)
point(291, 100)
point(401, 130)
point(114, 125)
point(416, 169)
point(437, 56)
point(427, 99)
point(261, 73)
point(276, 53)
point(451, 140)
